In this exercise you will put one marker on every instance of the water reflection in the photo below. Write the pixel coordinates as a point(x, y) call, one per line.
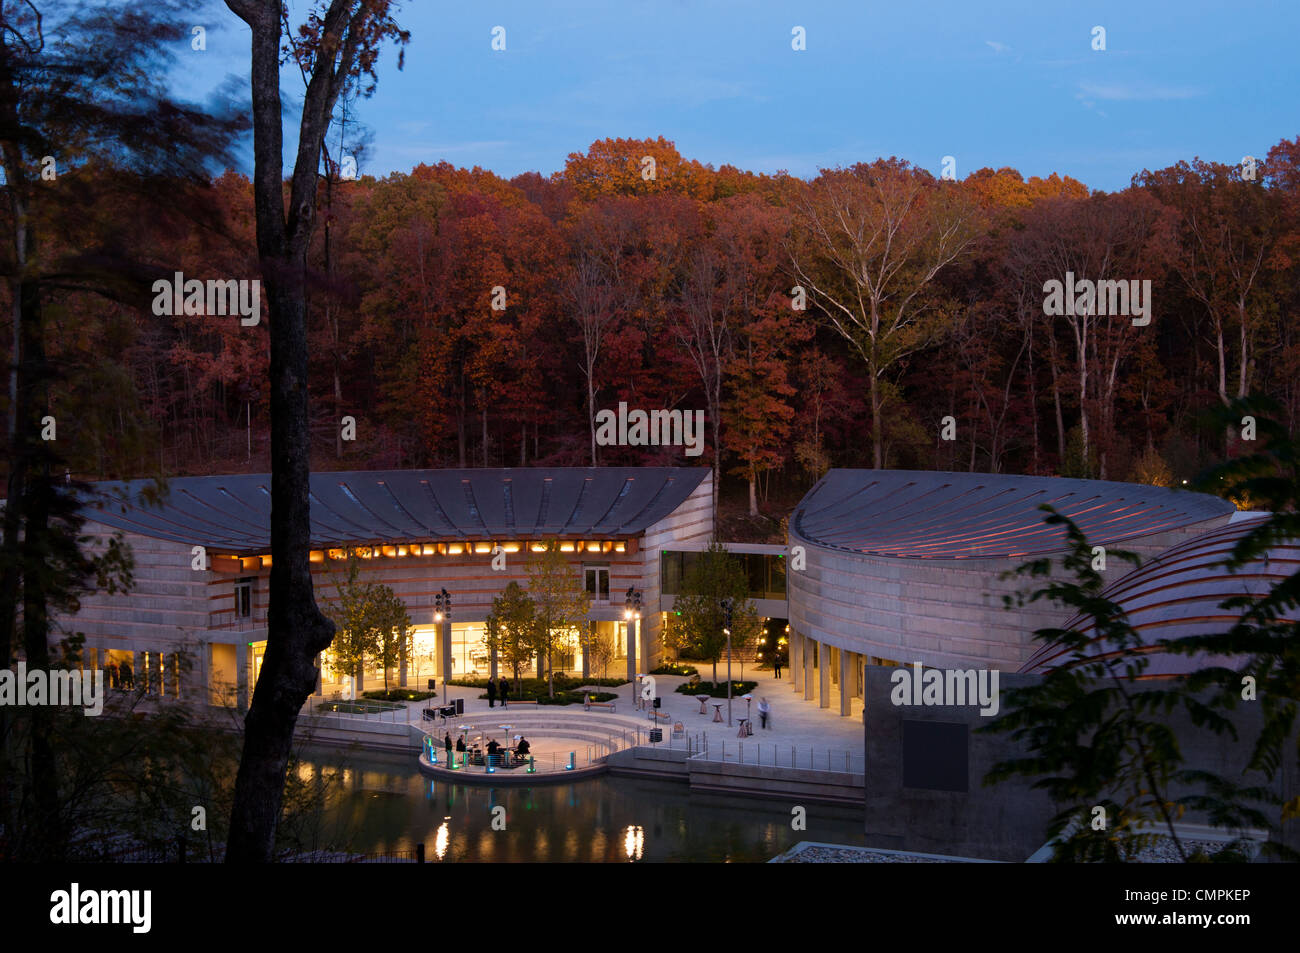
point(634, 843)
point(440, 841)
point(385, 805)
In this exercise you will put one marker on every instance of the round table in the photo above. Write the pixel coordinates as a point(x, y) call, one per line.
point(717, 713)
point(703, 700)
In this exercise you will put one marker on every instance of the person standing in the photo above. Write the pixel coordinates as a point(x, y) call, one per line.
point(503, 690)
point(776, 665)
point(492, 694)
point(447, 743)
point(764, 709)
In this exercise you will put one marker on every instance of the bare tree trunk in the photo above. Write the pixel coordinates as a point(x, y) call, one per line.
point(877, 454)
point(297, 631)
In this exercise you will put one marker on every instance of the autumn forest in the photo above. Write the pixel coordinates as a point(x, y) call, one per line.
point(465, 320)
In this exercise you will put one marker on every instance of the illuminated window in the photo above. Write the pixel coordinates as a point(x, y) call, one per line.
point(597, 578)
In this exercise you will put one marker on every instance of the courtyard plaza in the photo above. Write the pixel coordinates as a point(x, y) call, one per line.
point(794, 721)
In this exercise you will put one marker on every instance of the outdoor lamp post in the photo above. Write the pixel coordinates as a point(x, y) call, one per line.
point(442, 616)
point(726, 628)
point(632, 615)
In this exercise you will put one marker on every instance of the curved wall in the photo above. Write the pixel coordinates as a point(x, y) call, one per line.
point(908, 565)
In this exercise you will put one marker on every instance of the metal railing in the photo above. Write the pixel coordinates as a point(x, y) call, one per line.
point(797, 757)
point(316, 707)
point(580, 756)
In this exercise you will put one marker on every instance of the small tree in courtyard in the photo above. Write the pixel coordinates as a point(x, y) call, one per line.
point(392, 628)
point(371, 621)
point(699, 620)
point(511, 629)
point(561, 602)
point(354, 639)
point(597, 646)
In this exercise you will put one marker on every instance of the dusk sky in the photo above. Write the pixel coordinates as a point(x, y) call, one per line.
point(1005, 82)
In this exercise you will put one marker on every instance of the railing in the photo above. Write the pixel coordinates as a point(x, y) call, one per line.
point(809, 758)
point(398, 716)
point(581, 755)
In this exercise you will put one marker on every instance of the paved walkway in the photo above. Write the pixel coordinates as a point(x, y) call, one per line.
point(794, 721)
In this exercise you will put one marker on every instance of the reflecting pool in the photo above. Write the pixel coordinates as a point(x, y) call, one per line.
point(383, 804)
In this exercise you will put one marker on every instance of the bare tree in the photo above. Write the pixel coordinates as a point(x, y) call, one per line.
point(870, 241)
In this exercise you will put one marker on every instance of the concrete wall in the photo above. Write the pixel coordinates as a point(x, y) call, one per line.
point(941, 612)
point(1007, 821)
point(690, 526)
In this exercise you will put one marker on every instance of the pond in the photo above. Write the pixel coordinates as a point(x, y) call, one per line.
point(386, 805)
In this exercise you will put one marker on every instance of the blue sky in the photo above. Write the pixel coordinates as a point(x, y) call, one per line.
point(990, 82)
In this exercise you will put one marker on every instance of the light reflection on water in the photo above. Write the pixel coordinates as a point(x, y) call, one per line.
point(387, 805)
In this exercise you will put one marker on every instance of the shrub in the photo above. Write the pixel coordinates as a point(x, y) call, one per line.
point(717, 691)
point(673, 668)
point(399, 695)
point(537, 687)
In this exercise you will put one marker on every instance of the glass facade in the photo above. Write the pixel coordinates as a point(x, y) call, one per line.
point(766, 573)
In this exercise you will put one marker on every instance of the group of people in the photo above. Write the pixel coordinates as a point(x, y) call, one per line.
point(119, 676)
point(522, 748)
point(498, 689)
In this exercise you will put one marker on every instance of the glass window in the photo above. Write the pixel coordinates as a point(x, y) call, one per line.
point(597, 578)
point(244, 598)
point(776, 578)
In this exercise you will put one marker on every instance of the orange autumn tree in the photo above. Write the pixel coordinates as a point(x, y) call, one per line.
point(622, 167)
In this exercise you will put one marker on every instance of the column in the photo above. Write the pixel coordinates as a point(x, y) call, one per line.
point(241, 676)
point(319, 691)
point(632, 635)
point(138, 674)
point(444, 652)
point(642, 635)
point(808, 668)
point(795, 665)
point(846, 690)
point(823, 675)
point(591, 633)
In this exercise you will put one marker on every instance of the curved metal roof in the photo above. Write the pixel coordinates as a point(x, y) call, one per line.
point(926, 514)
point(233, 513)
point(1179, 594)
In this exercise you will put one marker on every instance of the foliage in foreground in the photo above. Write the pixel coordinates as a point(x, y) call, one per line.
point(1098, 734)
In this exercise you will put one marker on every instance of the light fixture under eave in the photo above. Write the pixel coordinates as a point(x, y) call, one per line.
point(537, 547)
